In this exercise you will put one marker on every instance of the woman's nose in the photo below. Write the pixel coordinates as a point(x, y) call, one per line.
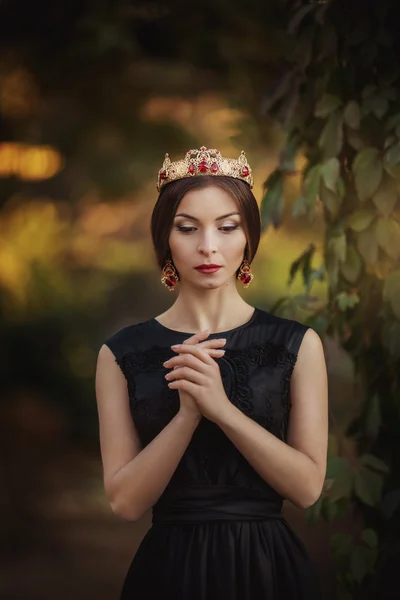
point(207, 244)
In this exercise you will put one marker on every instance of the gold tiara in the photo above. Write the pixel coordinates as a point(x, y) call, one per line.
point(204, 162)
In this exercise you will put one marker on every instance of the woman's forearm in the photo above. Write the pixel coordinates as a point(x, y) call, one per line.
point(290, 472)
point(137, 486)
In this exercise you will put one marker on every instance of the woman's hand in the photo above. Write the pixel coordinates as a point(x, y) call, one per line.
point(188, 405)
point(197, 373)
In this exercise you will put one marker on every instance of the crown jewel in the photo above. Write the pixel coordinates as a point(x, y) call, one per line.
point(204, 162)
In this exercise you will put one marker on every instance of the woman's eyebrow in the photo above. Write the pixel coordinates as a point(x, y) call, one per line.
point(217, 219)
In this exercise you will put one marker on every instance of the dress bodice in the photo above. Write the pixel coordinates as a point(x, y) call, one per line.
point(255, 370)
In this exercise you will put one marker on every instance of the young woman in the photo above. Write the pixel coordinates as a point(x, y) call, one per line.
point(214, 411)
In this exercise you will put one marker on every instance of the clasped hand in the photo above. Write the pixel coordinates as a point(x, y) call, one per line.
point(195, 371)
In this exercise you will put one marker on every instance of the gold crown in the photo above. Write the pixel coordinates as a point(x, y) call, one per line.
point(204, 162)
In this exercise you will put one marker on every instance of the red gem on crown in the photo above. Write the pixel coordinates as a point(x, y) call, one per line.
point(214, 168)
point(245, 171)
point(163, 174)
point(203, 166)
point(191, 168)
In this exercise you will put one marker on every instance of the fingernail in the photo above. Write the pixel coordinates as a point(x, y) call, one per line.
point(176, 346)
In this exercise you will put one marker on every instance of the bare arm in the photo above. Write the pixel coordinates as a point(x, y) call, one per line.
point(134, 478)
point(297, 469)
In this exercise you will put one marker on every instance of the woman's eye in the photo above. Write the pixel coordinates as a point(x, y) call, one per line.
point(228, 228)
point(185, 229)
point(225, 229)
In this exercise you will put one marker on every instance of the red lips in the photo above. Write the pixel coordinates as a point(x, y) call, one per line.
point(208, 266)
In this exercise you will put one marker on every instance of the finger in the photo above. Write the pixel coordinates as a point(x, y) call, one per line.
point(176, 361)
point(185, 385)
point(212, 343)
point(195, 351)
point(215, 353)
point(186, 373)
point(187, 359)
point(197, 337)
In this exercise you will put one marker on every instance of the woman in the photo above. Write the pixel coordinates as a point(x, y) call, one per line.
point(214, 411)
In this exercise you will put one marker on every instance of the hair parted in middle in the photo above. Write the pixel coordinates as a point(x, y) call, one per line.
point(163, 214)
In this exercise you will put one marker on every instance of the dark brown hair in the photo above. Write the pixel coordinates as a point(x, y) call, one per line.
point(171, 194)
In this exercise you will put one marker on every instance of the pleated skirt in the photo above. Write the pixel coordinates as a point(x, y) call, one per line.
point(222, 560)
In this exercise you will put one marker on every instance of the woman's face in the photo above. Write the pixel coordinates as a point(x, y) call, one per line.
point(207, 229)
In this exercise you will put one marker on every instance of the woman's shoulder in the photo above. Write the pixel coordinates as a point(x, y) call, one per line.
point(283, 331)
point(128, 337)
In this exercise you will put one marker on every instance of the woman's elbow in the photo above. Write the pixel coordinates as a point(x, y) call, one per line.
point(308, 497)
point(120, 506)
point(123, 510)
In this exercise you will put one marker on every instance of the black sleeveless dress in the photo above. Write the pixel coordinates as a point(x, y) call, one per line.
point(217, 531)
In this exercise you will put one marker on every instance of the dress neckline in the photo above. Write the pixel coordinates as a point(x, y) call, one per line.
point(219, 333)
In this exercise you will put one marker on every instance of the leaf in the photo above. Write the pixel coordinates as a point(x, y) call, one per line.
point(341, 543)
point(369, 91)
point(326, 105)
point(367, 170)
point(341, 188)
point(354, 139)
point(342, 486)
point(352, 115)
point(311, 185)
point(367, 244)
point(370, 537)
point(391, 291)
point(272, 206)
point(304, 263)
point(336, 465)
point(303, 51)
point(391, 160)
point(389, 141)
point(376, 105)
point(331, 139)
point(351, 269)
point(345, 300)
point(388, 236)
point(375, 463)
point(299, 208)
point(288, 154)
point(331, 200)
point(392, 122)
point(385, 197)
point(361, 219)
point(368, 486)
point(330, 173)
point(328, 509)
point(299, 16)
point(338, 244)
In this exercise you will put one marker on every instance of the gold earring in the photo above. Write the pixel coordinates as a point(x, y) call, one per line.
point(245, 275)
point(170, 276)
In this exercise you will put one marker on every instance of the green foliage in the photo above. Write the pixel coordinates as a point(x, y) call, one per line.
point(347, 123)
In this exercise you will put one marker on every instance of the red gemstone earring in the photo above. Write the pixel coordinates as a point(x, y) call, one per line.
point(245, 275)
point(170, 276)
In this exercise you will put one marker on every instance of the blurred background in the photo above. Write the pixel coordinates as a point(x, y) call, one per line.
point(92, 95)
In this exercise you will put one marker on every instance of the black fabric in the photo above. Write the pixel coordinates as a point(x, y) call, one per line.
point(217, 530)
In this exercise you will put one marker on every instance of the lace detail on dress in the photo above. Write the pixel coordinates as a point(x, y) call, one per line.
point(235, 374)
point(285, 384)
point(241, 394)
